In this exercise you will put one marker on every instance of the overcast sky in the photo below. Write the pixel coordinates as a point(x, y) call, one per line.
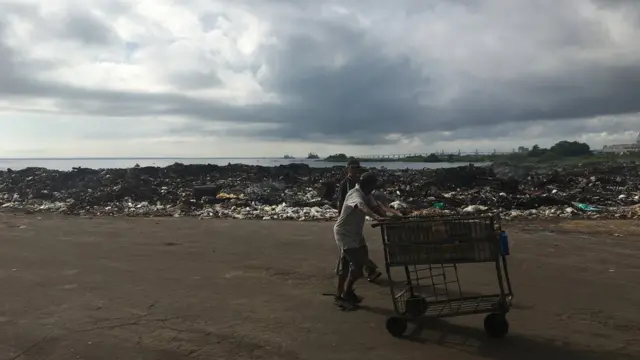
point(270, 77)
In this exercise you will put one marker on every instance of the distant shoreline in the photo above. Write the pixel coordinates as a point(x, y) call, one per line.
point(125, 163)
point(403, 160)
point(431, 162)
point(515, 158)
point(144, 158)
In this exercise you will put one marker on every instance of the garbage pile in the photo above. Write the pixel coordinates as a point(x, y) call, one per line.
point(300, 192)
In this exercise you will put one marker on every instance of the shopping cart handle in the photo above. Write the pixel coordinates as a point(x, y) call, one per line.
point(380, 223)
point(414, 218)
point(388, 220)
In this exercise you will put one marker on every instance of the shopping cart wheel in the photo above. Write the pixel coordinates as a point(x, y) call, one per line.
point(396, 326)
point(496, 325)
point(416, 305)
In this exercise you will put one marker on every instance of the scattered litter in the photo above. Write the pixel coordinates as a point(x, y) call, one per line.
point(438, 205)
point(300, 192)
point(398, 205)
point(586, 207)
point(474, 208)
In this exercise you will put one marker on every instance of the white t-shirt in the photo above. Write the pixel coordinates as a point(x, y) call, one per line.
point(348, 229)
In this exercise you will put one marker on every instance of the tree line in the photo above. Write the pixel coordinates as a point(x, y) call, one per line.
point(561, 149)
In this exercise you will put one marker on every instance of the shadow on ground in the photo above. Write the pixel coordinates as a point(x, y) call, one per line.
point(474, 341)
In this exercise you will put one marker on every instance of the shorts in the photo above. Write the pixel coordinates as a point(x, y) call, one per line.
point(354, 259)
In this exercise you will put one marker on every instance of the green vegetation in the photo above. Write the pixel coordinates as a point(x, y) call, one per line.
point(313, 156)
point(562, 152)
point(337, 158)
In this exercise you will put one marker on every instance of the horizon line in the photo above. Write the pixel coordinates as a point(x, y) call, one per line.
point(145, 158)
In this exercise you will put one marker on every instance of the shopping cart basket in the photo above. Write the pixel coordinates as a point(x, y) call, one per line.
point(429, 250)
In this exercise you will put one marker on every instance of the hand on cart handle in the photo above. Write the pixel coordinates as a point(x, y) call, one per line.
point(379, 220)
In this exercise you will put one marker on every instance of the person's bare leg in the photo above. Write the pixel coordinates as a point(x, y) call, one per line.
point(342, 279)
point(343, 268)
point(357, 259)
point(349, 295)
point(371, 269)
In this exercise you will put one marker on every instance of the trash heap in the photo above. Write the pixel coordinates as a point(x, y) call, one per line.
point(300, 192)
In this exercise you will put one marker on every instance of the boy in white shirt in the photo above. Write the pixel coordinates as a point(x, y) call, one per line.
point(354, 170)
point(348, 233)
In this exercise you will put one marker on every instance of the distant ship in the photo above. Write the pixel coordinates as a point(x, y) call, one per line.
point(288, 157)
point(313, 156)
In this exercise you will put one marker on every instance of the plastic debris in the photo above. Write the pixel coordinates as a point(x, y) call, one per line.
point(299, 192)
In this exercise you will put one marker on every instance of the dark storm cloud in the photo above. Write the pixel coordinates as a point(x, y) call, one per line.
point(338, 83)
point(544, 129)
point(15, 71)
point(372, 95)
point(87, 29)
point(630, 8)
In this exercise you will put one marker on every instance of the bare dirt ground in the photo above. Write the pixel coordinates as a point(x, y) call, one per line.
point(115, 288)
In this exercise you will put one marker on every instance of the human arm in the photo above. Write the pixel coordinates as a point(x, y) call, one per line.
point(387, 209)
point(363, 203)
point(381, 203)
point(371, 213)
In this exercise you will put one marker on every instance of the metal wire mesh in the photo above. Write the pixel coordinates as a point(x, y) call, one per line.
point(429, 251)
point(437, 241)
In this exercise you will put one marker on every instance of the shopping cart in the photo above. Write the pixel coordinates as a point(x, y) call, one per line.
point(430, 250)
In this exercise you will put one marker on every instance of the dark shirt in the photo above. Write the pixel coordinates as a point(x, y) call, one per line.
point(346, 185)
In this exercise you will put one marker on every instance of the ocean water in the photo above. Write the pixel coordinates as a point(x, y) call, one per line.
point(104, 163)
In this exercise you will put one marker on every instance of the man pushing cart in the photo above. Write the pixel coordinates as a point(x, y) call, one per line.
point(348, 233)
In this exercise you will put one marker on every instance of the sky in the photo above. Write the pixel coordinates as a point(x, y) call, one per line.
point(205, 78)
